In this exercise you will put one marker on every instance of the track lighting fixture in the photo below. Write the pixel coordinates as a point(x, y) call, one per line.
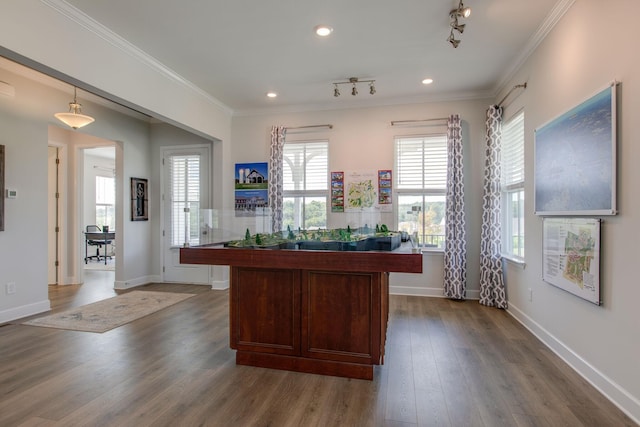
point(353, 81)
point(460, 12)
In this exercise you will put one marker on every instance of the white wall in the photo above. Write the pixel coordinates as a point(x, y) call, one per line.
point(363, 139)
point(42, 31)
point(591, 46)
point(23, 253)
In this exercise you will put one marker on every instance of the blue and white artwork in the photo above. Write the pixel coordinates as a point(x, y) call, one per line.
point(575, 160)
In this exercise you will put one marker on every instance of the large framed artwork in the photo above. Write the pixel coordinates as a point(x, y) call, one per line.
point(571, 256)
point(139, 199)
point(575, 159)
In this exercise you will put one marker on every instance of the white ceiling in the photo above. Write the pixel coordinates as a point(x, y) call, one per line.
point(238, 50)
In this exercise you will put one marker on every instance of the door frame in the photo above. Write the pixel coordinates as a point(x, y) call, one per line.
point(166, 151)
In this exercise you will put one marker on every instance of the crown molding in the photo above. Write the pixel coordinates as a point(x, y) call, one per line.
point(558, 11)
point(109, 36)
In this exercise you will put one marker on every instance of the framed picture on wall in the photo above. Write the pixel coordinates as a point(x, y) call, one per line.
point(575, 159)
point(571, 256)
point(139, 199)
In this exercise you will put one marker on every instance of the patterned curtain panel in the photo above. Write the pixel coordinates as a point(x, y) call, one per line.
point(275, 176)
point(455, 253)
point(492, 290)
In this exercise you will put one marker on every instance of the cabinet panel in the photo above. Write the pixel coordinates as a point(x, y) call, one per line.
point(265, 310)
point(341, 316)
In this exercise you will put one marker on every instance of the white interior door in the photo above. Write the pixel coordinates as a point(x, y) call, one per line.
point(186, 191)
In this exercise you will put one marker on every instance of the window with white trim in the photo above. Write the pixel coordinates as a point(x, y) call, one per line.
point(512, 187)
point(106, 202)
point(184, 178)
point(420, 186)
point(305, 184)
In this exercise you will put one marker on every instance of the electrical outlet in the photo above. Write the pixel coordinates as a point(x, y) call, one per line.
point(11, 288)
point(530, 294)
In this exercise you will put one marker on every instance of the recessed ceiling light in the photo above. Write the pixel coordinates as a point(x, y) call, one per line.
point(323, 30)
point(427, 81)
point(271, 94)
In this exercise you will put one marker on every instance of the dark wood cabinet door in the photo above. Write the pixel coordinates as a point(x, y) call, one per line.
point(265, 310)
point(341, 316)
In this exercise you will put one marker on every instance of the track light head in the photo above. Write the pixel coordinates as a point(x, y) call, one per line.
point(336, 91)
point(454, 42)
point(354, 90)
point(461, 11)
point(458, 27)
point(372, 88)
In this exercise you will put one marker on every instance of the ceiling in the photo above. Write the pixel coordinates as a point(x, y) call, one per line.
point(239, 50)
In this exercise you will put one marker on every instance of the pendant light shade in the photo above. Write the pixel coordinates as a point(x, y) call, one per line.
point(74, 118)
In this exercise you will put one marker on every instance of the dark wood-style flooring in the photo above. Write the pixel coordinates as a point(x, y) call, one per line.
point(447, 364)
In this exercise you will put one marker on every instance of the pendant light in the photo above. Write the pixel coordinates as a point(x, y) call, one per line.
point(74, 118)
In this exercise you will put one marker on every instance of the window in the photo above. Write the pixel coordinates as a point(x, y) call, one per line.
point(105, 202)
point(513, 187)
point(185, 199)
point(421, 183)
point(305, 184)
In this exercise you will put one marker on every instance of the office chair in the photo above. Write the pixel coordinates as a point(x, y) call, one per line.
point(97, 243)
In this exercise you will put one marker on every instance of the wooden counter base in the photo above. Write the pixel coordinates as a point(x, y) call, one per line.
point(318, 312)
point(323, 322)
point(302, 364)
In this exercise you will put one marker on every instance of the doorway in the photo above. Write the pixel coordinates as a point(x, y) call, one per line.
point(185, 192)
point(99, 208)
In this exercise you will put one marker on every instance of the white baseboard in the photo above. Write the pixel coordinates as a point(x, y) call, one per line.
point(132, 283)
point(427, 292)
point(220, 285)
point(620, 397)
point(24, 311)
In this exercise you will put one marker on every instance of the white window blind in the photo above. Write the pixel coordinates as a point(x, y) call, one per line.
point(513, 152)
point(305, 166)
point(185, 199)
point(305, 184)
point(105, 201)
point(421, 163)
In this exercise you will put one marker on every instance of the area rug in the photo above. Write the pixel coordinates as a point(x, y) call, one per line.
point(104, 315)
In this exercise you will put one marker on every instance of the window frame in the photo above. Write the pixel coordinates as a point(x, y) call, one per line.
point(105, 206)
point(303, 193)
point(512, 194)
point(437, 188)
point(191, 221)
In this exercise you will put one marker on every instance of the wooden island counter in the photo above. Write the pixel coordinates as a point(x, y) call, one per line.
point(321, 312)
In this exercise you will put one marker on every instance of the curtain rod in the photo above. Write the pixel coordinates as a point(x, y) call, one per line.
point(397, 122)
point(523, 86)
point(330, 126)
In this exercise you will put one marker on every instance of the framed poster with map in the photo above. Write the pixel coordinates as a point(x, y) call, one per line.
point(571, 256)
point(575, 159)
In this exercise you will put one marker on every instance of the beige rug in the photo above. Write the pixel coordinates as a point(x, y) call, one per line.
point(104, 315)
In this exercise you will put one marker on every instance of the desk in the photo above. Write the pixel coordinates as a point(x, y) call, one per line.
point(99, 236)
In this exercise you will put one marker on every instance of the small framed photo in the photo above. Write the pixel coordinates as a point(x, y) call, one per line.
point(139, 199)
